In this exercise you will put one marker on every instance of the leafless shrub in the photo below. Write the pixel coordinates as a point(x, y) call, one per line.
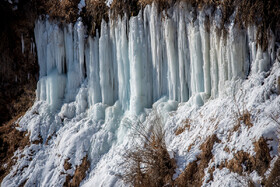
point(181, 129)
point(241, 115)
point(149, 165)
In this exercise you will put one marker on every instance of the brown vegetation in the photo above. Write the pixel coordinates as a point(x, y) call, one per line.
point(181, 129)
point(244, 162)
point(67, 165)
point(121, 7)
point(278, 85)
point(79, 175)
point(274, 177)
point(150, 165)
point(194, 172)
point(62, 10)
point(94, 13)
point(244, 117)
point(10, 140)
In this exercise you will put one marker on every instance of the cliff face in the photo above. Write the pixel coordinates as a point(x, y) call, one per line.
point(207, 77)
point(18, 75)
point(19, 67)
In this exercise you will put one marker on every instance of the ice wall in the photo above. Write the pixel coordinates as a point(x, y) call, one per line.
point(136, 61)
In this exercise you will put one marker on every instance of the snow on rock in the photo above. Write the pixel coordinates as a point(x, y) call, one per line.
point(92, 90)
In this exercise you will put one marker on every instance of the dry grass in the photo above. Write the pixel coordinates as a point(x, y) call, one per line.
point(62, 10)
point(10, 140)
point(121, 7)
point(241, 115)
point(244, 162)
point(94, 13)
point(263, 14)
point(194, 172)
point(150, 165)
point(181, 129)
point(79, 175)
point(240, 158)
point(67, 165)
point(244, 117)
point(262, 156)
point(278, 85)
point(274, 177)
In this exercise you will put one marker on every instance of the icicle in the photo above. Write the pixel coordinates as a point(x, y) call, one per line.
point(22, 44)
point(106, 67)
point(136, 62)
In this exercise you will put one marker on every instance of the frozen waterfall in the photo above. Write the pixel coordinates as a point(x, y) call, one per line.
point(137, 61)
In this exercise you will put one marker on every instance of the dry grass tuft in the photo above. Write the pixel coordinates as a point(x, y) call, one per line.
point(67, 165)
point(38, 141)
point(79, 175)
point(244, 162)
point(150, 165)
point(194, 172)
point(186, 125)
point(262, 156)
point(241, 158)
point(246, 118)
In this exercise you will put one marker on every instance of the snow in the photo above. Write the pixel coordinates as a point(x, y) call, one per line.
point(93, 90)
point(81, 5)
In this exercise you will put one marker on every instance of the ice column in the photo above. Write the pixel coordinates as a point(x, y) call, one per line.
point(106, 66)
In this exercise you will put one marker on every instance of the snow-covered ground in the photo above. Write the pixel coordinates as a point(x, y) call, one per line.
point(93, 91)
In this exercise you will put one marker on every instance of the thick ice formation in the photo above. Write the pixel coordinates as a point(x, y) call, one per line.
point(136, 62)
point(92, 89)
